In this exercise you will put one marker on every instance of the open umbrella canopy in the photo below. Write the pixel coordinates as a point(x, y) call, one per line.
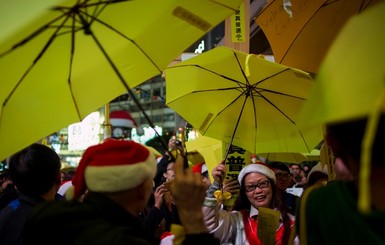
point(242, 99)
point(78, 55)
point(302, 39)
point(211, 149)
point(351, 78)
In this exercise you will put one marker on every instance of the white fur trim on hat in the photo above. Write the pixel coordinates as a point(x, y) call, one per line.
point(204, 168)
point(256, 168)
point(119, 177)
point(121, 118)
point(122, 123)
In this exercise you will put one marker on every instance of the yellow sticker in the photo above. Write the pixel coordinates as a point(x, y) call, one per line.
point(191, 18)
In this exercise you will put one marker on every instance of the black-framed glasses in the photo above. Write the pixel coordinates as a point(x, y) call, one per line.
point(261, 185)
point(283, 175)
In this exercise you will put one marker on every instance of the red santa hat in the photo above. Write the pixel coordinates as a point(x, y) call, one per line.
point(114, 165)
point(199, 168)
point(257, 168)
point(122, 118)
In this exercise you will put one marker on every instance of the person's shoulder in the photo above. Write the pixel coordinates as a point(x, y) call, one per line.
point(8, 212)
point(59, 207)
point(330, 190)
point(328, 197)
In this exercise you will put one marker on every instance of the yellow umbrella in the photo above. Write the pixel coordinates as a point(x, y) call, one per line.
point(77, 55)
point(288, 157)
point(209, 148)
point(242, 99)
point(350, 84)
point(301, 40)
point(351, 78)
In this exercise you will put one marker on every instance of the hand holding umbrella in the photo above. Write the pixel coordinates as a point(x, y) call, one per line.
point(219, 172)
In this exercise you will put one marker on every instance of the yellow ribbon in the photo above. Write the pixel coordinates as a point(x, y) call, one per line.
point(220, 196)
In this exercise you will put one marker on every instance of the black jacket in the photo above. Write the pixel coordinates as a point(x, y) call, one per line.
point(13, 217)
point(98, 220)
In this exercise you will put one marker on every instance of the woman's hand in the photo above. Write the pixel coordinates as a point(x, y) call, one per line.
point(158, 195)
point(219, 172)
point(232, 186)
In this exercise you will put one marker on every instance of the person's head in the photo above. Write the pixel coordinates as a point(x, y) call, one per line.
point(4, 178)
point(341, 171)
point(35, 170)
point(120, 169)
point(306, 168)
point(318, 175)
point(165, 170)
point(201, 168)
point(67, 173)
point(282, 174)
point(295, 169)
point(257, 185)
point(345, 140)
point(122, 123)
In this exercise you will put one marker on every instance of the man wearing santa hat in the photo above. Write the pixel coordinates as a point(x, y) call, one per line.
point(115, 181)
point(122, 123)
point(201, 168)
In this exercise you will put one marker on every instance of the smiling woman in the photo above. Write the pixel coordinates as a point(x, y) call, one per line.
point(258, 191)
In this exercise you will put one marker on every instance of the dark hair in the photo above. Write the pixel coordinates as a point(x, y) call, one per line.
point(35, 169)
point(161, 169)
point(68, 173)
point(279, 165)
point(315, 176)
point(349, 135)
point(296, 164)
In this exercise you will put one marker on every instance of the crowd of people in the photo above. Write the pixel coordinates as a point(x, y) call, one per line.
point(121, 194)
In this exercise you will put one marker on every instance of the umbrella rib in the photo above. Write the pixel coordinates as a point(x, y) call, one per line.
point(260, 90)
point(71, 65)
point(236, 125)
point(273, 105)
point(255, 124)
point(241, 69)
point(213, 72)
point(229, 104)
point(93, 18)
point(31, 36)
point(269, 77)
point(299, 131)
point(303, 27)
point(124, 83)
point(39, 55)
point(98, 10)
point(216, 89)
